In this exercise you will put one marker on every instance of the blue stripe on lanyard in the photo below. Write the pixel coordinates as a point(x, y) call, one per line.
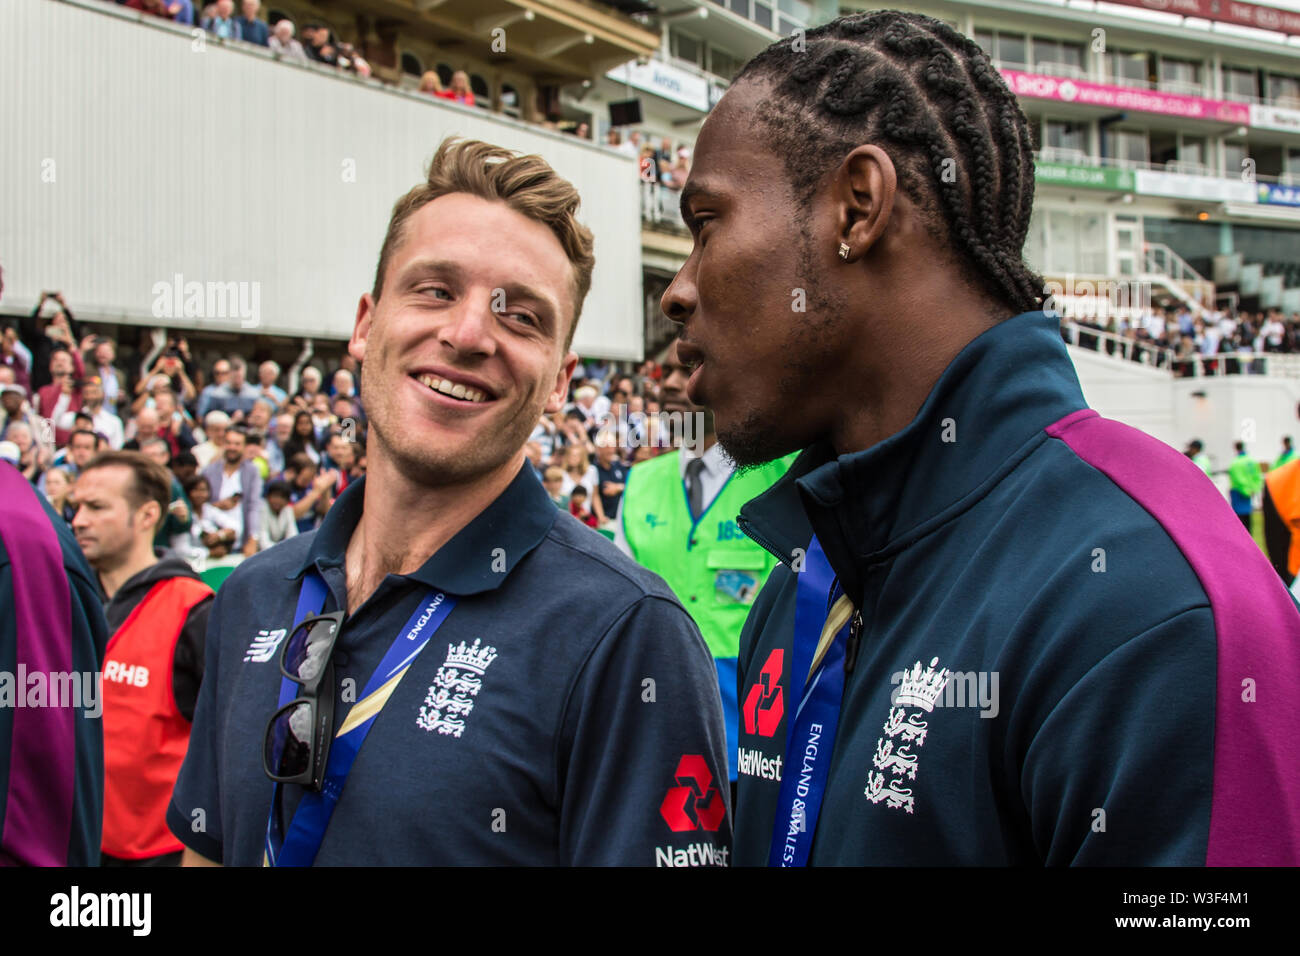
point(307, 829)
point(810, 739)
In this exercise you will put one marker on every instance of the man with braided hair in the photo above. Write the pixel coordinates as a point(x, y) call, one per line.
point(1004, 630)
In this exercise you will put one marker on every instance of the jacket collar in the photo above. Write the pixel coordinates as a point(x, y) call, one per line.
point(512, 525)
point(985, 413)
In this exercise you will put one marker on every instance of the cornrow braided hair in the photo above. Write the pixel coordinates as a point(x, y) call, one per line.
point(960, 142)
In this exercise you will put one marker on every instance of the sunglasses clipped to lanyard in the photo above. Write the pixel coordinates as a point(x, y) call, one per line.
point(298, 735)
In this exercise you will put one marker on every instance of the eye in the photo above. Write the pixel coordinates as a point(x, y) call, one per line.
point(433, 288)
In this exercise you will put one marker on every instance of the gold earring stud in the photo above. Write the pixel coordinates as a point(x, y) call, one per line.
point(844, 250)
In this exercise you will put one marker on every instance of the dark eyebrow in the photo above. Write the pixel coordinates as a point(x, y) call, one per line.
point(692, 191)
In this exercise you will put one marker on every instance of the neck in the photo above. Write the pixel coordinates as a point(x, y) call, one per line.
point(896, 370)
point(231, 469)
point(404, 521)
point(140, 556)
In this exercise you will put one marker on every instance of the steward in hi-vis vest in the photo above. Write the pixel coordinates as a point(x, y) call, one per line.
point(688, 536)
point(157, 611)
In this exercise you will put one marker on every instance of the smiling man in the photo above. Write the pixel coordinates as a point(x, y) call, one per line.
point(538, 726)
point(1005, 630)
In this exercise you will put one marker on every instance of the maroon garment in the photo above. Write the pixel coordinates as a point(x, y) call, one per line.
point(47, 398)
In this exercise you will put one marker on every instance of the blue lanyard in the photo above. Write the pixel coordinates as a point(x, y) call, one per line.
point(810, 737)
point(302, 842)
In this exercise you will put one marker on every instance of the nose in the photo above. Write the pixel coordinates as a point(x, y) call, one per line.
point(681, 296)
point(79, 520)
point(469, 328)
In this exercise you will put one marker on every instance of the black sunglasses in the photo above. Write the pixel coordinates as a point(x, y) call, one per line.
point(298, 735)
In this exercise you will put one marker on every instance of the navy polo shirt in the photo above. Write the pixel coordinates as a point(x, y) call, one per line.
point(596, 736)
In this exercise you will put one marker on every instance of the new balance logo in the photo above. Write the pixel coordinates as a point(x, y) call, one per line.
point(263, 647)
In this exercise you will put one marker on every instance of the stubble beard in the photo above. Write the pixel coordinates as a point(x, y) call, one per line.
point(812, 345)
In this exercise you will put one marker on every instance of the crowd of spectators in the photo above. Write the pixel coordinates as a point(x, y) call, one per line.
point(1175, 337)
point(252, 462)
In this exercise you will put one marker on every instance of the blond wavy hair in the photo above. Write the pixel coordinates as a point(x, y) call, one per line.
point(527, 184)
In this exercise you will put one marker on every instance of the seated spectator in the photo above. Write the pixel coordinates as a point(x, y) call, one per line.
point(251, 29)
point(281, 41)
point(275, 442)
point(220, 377)
point(278, 520)
point(431, 84)
point(255, 452)
point(319, 46)
point(222, 23)
point(172, 423)
point(173, 528)
point(169, 369)
point(182, 11)
point(210, 534)
point(267, 373)
point(259, 417)
point(578, 507)
point(237, 396)
point(459, 90)
point(58, 488)
point(309, 490)
point(185, 466)
point(309, 384)
point(33, 457)
point(214, 429)
point(102, 419)
point(81, 448)
point(157, 8)
point(14, 407)
point(553, 481)
point(303, 439)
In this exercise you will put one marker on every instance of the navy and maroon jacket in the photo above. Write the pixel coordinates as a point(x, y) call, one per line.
point(1072, 652)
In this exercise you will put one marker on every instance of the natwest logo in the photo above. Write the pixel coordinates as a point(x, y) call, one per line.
point(765, 702)
point(695, 803)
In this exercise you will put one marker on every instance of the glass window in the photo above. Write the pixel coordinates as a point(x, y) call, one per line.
point(722, 63)
point(1192, 155)
point(1062, 137)
point(787, 26)
point(1012, 49)
point(763, 16)
point(1240, 82)
point(1076, 242)
point(796, 9)
point(1180, 76)
point(1124, 68)
point(739, 6)
point(1058, 57)
point(686, 48)
point(985, 40)
point(1234, 154)
point(444, 74)
point(411, 64)
point(1283, 90)
point(1127, 146)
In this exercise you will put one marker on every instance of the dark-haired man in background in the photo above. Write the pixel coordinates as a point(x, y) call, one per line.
point(1019, 633)
point(157, 610)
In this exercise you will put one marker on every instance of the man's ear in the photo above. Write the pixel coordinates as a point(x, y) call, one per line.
point(866, 186)
point(361, 328)
point(555, 401)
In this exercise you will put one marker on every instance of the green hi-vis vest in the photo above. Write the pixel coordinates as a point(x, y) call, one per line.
point(712, 567)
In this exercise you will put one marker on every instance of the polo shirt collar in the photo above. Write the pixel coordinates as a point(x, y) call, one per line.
point(991, 402)
point(515, 523)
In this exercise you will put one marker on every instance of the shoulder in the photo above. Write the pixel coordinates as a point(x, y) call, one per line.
point(265, 569)
point(572, 547)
